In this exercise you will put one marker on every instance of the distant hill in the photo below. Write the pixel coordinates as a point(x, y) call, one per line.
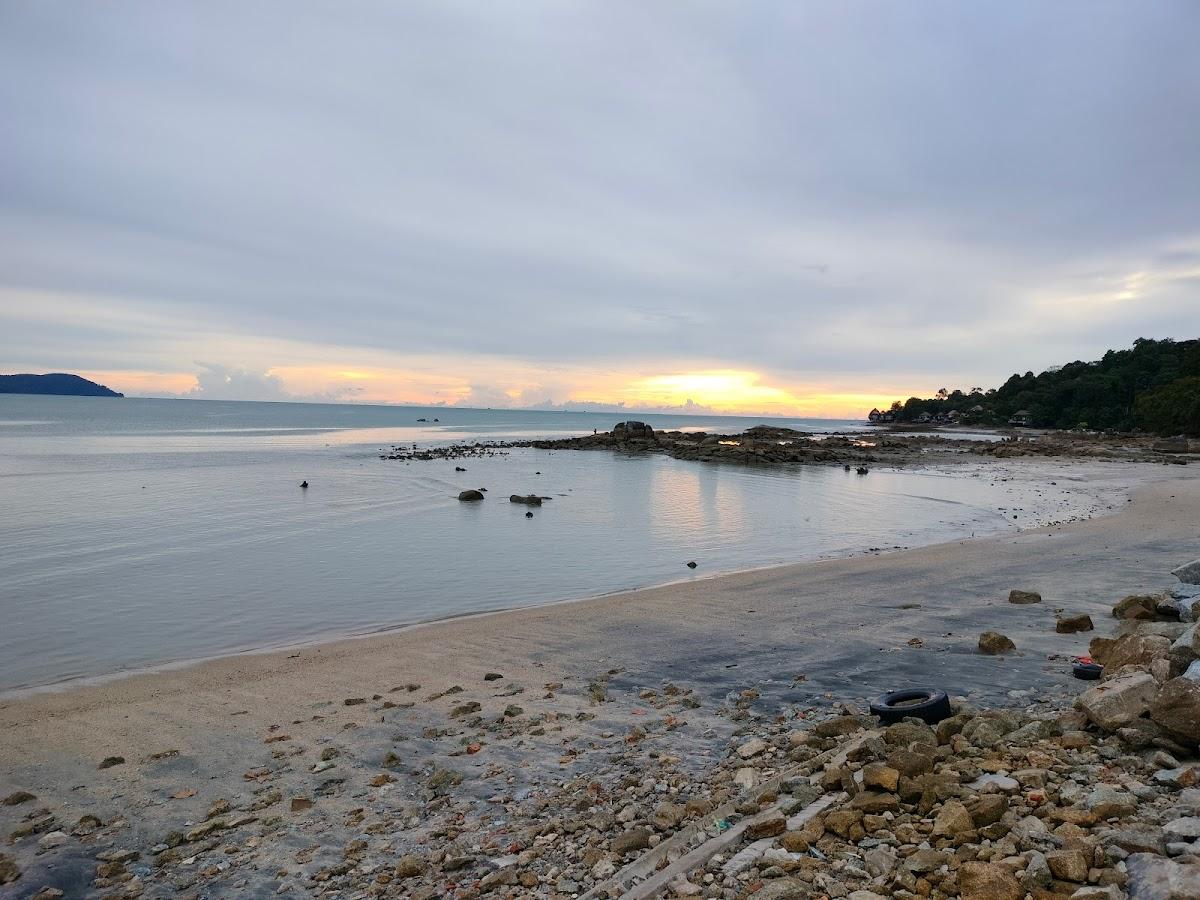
point(54, 383)
point(1154, 386)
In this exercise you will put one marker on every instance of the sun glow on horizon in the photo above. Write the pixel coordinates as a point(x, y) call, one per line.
point(479, 384)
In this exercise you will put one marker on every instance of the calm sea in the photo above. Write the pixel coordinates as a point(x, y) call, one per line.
point(139, 533)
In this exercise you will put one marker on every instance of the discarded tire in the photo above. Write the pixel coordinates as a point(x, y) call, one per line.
point(1088, 671)
point(921, 703)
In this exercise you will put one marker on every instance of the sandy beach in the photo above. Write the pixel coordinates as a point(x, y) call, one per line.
point(515, 703)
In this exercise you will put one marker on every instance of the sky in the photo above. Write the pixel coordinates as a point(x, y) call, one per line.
point(770, 208)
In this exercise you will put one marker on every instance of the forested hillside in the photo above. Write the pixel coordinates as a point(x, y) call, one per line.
point(1154, 386)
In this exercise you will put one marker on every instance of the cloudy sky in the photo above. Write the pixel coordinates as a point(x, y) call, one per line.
point(793, 207)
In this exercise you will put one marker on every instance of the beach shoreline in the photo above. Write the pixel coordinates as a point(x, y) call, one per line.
point(1096, 487)
point(256, 661)
point(818, 633)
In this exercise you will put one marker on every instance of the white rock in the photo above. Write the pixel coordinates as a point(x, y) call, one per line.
point(999, 782)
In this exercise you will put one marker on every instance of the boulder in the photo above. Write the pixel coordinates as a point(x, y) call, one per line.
point(1188, 573)
point(1186, 648)
point(994, 643)
point(1186, 828)
point(875, 802)
point(1115, 703)
point(752, 747)
point(1136, 606)
point(953, 819)
point(1169, 630)
point(1134, 650)
point(988, 809)
point(988, 881)
point(1074, 624)
point(1108, 802)
point(769, 825)
point(1069, 865)
point(878, 775)
point(1157, 878)
point(470, 495)
point(1022, 598)
point(1176, 707)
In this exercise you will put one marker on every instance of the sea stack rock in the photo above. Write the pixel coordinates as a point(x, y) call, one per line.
point(633, 431)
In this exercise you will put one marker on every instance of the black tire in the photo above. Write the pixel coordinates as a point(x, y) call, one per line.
point(920, 703)
point(1087, 671)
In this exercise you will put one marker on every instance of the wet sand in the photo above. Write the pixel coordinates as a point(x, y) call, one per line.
point(814, 633)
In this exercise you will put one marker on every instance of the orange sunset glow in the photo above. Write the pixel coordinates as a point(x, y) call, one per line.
point(732, 391)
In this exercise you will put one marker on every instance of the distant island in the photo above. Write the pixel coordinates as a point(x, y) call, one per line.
point(1153, 386)
point(54, 383)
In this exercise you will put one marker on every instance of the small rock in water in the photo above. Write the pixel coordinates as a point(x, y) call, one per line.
point(9, 870)
point(528, 499)
point(691, 564)
point(993, 643)
point(18, 797)
point(470, 495)
point(109, 761)
point(1022, 598)
point(1074, 624)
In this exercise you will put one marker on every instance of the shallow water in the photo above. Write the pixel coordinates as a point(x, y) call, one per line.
point(140, 533)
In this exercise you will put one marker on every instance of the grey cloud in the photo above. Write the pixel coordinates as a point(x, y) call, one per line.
point(794, 188)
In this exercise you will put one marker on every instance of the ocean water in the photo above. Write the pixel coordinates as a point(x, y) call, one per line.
point(140, 533)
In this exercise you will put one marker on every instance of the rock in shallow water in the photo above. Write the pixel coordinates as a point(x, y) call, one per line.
point(994, 643)
point(1074, 624)
point(1023, 598)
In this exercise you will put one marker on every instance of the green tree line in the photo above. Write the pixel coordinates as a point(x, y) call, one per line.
point(1153, 386)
